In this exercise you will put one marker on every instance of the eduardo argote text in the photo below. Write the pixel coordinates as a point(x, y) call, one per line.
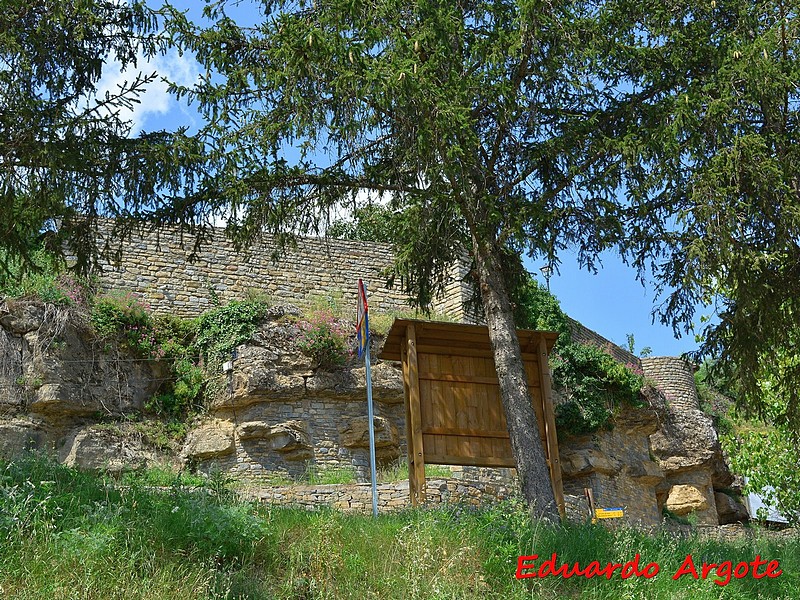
point(721, 573)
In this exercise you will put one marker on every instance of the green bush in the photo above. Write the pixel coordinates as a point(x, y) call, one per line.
point(45, 279)
point(124, 317)
point(323, 340)
point(221, 329)
point(592, 383)
point(182, 344)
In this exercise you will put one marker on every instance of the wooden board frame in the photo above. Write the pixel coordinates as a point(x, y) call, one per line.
point(454, 414)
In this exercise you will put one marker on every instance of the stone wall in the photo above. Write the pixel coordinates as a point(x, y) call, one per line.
point(280, 415)
point(686, 445)
point(391, 496)
point(583, 335)
point(616, 464)
point(159, 268)
point(675, 378)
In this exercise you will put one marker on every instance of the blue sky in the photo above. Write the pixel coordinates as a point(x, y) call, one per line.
point(611, 302)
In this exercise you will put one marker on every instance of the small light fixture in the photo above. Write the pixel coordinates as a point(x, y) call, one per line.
point(547, 271)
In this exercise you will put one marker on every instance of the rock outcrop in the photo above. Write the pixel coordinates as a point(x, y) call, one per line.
point(686, 444)
point(615, 464)
point(56, 378)
point(278, 414)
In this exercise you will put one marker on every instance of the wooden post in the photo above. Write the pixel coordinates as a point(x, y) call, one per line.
point(412, 488)
point(550, 427)
point(416, 457)
point(590, 499)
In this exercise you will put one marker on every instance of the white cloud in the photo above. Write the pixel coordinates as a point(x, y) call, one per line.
point(155, 101)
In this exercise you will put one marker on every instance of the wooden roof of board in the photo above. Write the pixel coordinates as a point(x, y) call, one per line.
point(473, 339)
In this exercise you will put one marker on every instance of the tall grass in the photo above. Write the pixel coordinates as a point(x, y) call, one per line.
point(65, 534)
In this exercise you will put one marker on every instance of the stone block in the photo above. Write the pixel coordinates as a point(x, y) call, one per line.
point(684, 499)
point(211, 440)
point(356, 433)
point(729, 509)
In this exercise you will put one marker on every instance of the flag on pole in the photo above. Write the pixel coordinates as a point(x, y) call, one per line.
point(362, 320)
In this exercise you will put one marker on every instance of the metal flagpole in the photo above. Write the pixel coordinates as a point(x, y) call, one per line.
point(362, 327)
point(371, 434)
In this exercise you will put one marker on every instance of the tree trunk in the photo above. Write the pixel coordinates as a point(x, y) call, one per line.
point(523, 427)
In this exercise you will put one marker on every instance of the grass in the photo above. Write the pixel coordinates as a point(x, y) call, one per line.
point(316, 475)
point(398, 471)
point(65, 534)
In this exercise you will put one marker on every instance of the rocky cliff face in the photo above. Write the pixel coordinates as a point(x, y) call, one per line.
point(687, 448)
point(63, 391)
point(57, 380)
point(278, 412)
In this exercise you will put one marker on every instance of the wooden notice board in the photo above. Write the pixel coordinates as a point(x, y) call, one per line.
point(454, 414)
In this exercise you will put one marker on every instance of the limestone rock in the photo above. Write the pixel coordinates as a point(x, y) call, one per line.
point(253, 430)
point(356, 433)
point(290, 438)
point(729, 510)
point(98, 448)
point(55, 399)
point(684, 499)
point(638, 420)
point(269, 367)
point(21, 317)
point(56, 368)
point(646, 472)
point(576, 462)
point(17, 436)
point(686, 440)
point(209, 441)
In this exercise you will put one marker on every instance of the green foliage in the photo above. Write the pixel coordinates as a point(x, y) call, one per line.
point(717, 148)
point(316, 475)
point(45, 278)
point(765, 450)
point(62, 531)
point(177, 342)
point(398, 471)
point(85, 161)
point(221, 329)
point(368, 223)
point(323, 339)
point(631, 343)
point(769, 457)
point(167, 435)
point(591, 382)
point(536, 308)
point(124, 317)
point(162, 476)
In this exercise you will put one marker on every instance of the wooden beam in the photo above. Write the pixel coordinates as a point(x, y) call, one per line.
point(416, 464)
point(550, 427)
point(483, 351)
point(466, 432)
point(479, 461)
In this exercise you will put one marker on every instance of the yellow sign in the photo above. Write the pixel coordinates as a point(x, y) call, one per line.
point(609, 513)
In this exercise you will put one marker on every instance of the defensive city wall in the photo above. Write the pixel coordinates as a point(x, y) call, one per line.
point(158, 267)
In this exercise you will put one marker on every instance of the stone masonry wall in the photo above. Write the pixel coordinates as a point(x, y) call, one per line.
point(391, 496)
point(583, 335)
point(675, 378)
point(158, 267)
point(686, 444)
